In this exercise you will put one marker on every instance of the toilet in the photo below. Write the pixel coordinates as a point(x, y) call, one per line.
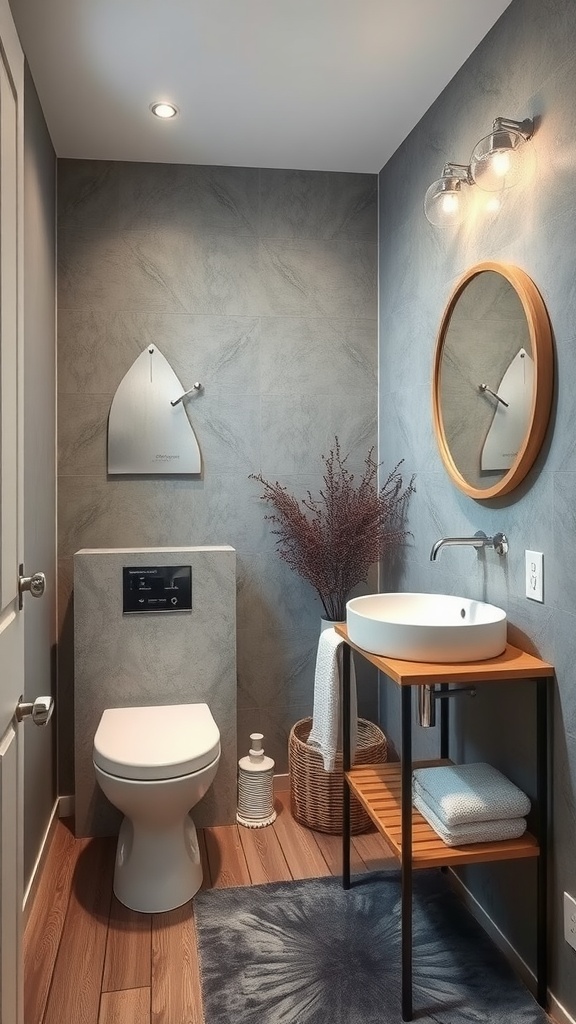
point(154, 764)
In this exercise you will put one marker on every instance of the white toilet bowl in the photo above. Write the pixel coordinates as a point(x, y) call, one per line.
point(154, 764)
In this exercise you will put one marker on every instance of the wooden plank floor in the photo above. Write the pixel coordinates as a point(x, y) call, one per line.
point(89, 960)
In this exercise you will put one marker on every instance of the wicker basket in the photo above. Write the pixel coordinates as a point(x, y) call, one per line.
point(315, 794)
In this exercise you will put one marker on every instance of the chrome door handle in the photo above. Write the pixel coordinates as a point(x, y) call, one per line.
point(40, 711)
point(34, 585)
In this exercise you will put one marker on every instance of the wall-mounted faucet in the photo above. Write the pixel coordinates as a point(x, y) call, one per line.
point(499, 542)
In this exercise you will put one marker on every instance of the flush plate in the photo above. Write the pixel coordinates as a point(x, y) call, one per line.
point(157, 588)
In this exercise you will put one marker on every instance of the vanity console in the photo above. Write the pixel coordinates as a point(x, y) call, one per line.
point(385, 790)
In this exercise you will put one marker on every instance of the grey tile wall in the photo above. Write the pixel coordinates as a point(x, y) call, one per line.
point(262, 285)
point(524, 67)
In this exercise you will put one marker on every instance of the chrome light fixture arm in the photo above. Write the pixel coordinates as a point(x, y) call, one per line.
point(524, 128)
point(459, 171)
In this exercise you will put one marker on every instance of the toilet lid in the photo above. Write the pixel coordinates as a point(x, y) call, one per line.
point(156, 743)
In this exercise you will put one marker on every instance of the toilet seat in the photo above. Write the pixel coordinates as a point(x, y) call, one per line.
point(155, 743)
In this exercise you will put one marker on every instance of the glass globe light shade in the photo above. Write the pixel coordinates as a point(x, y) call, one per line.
point(500, 160)
point(445, 201)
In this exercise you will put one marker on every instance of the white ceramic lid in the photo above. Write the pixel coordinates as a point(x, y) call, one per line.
point(156, 743)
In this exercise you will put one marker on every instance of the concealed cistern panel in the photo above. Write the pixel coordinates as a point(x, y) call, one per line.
point(157, 588)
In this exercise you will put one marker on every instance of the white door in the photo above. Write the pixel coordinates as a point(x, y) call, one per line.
point(11, 515)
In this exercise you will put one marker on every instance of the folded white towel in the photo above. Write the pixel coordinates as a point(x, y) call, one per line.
point(472, 832)
point(326, 730)
point(461, 793)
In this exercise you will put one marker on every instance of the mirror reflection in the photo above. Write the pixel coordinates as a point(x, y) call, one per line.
point(486, 379)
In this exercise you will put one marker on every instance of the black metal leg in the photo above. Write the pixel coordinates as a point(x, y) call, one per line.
point(444, 723)
point(346, 655)
point(406, 792)
point(444, 732)
point(542, 835)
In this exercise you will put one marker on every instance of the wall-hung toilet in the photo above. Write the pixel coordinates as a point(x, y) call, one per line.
point(154, 764)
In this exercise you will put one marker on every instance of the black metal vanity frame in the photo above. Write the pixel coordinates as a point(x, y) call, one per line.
point(511, 667)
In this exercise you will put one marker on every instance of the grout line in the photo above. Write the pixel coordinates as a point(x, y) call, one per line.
point(241, 845)
point(321, 853)
point(151, 965)
point(288, 868)
point(202, 839)
point(105, 945)
point(239, 832)
point(57, 953)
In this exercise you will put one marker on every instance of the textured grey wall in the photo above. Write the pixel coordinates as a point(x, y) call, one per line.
point(39, 460)
point(524, 67)
point(262, 285)
point(146, 660)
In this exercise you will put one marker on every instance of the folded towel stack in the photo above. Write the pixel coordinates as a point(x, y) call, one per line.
point(470, 803)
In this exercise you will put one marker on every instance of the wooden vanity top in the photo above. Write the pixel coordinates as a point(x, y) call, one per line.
point(511, 664)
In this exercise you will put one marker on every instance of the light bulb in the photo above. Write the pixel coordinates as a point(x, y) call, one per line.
point(500, 161)
point(446, 200)
point(164, 110)
point(450, 204)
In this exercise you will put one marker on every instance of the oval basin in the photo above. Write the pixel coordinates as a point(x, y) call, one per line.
point(426, 627)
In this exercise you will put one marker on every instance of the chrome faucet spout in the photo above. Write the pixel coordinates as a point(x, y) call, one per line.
point(499, 542)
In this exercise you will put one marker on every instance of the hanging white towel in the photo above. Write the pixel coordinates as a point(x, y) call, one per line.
point(326, 733)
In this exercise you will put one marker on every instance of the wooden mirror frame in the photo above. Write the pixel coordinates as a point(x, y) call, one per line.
point(542, 354)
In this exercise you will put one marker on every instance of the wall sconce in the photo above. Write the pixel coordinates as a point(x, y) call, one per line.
point(446, 199)
point(498, 162)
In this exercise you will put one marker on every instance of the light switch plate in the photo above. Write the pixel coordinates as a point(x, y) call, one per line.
point(570, 920)
point(535, 575)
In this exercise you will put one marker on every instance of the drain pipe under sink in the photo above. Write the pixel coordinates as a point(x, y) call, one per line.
point(427, 697)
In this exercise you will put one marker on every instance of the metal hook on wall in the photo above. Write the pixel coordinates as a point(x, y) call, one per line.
point(191, 391)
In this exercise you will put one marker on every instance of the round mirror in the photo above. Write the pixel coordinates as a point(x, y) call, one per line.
point(492, 386)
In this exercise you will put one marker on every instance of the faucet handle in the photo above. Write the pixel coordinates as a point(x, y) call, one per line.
point(500, 543)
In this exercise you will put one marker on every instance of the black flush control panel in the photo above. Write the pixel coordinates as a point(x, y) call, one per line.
point(157, 588)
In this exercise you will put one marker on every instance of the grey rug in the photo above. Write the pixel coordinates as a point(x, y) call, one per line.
point(309, 953)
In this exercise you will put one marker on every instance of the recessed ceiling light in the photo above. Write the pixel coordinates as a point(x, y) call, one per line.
point(164, 110)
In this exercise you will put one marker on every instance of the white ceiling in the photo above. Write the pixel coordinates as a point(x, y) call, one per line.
point(308, 84)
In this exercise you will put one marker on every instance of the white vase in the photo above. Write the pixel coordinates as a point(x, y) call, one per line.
point(328, 623)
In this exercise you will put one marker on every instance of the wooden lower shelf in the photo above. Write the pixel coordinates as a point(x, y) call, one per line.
point(378, 788)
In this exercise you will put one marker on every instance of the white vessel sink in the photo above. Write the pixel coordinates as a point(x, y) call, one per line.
point(426, 627)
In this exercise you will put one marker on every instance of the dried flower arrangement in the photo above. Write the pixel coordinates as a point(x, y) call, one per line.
point(333, 540)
